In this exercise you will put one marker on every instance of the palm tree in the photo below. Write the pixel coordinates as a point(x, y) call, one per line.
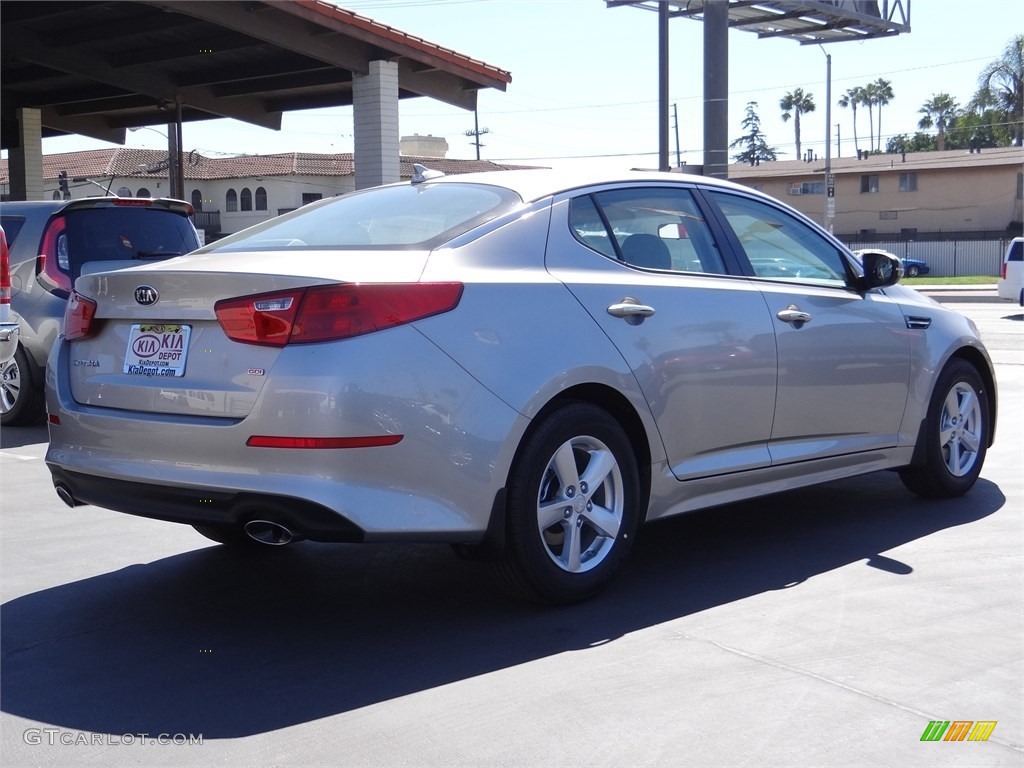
point(851, 99)
point(883, 95)
point(797, 103)
point(939, 111)
point(1004, 77)
point(869, 98)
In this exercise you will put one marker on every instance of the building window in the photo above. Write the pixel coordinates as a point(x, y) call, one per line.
point(231, 201)
point(808, 188)
point(143, 192)
point(869, 183)
point(246, 199)
point(197, 199)
point(888, 215)
point(908, 182)
point(261, 199)
point(310, 197)
point(124, 192)
point(56, 195)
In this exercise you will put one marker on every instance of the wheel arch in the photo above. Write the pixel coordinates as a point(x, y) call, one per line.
point(622, 410)
point(980, 363)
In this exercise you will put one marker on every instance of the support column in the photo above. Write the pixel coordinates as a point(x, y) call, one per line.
point(375, 118)
point(25, 162)
point(716, 89)
point(663, 87)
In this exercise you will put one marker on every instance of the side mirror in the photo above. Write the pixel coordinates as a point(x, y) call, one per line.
point(881, 269)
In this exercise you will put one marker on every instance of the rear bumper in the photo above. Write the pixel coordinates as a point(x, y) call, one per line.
point(195, 506)
point(437, 484)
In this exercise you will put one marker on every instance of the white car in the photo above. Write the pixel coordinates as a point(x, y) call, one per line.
point(1011, 287)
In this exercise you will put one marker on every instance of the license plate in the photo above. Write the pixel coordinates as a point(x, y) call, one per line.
point(157, 349)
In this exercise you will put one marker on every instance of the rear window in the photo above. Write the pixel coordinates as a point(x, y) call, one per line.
point(409, 216)
point(1016, 252)
point(123, 234)
point(12, 226)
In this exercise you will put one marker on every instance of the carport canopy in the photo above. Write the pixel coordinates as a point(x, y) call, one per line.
point(98, 68)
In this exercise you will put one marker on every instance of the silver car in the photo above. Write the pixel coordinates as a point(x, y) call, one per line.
point(525, 364)
point(51, 243)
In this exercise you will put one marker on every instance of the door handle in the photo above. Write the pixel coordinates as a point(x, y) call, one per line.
point(793, 315)
point(632, 311)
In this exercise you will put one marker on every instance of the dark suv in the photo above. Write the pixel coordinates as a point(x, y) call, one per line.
point(52, 243)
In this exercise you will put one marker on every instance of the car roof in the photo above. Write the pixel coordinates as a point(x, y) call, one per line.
point(536, 183)
point(180, 207)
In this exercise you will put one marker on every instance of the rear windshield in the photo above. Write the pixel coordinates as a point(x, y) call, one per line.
point(1016, 252)
point(123, 234)
point(409, 216)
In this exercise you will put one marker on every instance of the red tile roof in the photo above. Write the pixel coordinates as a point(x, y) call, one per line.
point(151, 163)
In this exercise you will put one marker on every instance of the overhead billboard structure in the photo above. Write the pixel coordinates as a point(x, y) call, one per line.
point(809, 22)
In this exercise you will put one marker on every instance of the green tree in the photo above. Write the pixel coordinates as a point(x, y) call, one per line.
point(919, 142)
point(852, 99)
point(757, 148)
point(940, 112)
point(1004, 79)
point(793, 105)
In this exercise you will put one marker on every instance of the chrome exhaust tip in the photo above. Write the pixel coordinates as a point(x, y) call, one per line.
point(64, 493)
point(268, 532)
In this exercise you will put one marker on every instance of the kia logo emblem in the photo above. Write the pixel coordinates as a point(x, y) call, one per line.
point(146, 295)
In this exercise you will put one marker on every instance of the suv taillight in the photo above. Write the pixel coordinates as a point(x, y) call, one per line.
point(332, 312)
point(1004, 270)
point(78, 316)
point(53, 265)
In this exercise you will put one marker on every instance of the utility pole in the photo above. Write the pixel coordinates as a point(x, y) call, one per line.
point(675, 115)
point(476, 133)
point(830, 179)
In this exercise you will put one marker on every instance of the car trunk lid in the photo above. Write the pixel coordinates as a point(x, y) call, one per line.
point(155, 343)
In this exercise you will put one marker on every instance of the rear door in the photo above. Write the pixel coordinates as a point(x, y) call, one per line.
point(644, 263)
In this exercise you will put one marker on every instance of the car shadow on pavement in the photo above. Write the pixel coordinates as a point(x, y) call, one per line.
point(18, 437)
point(228, 644)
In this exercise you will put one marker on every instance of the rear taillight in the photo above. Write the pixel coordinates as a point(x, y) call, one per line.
point(331, 312)
point(1004, 270)
point(78, 316)
point(53, 266)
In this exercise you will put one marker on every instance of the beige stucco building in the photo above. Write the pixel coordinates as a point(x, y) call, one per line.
point(922, 192)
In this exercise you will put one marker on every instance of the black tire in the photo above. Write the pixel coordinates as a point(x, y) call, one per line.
point(591, 528)
point(21, 391)
point(955, 435)
point(913, 270)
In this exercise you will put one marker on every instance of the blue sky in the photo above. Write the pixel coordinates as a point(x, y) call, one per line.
point(584, 81)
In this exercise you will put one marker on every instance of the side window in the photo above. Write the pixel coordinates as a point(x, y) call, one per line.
point(778, 246)
point(653, 228)
point(589, 228)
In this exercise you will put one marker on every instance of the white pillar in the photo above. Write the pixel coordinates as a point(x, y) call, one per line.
point(25, 162)
point(375, 118)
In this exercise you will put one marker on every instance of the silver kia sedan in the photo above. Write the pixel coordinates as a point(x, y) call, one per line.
point(528, 365)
